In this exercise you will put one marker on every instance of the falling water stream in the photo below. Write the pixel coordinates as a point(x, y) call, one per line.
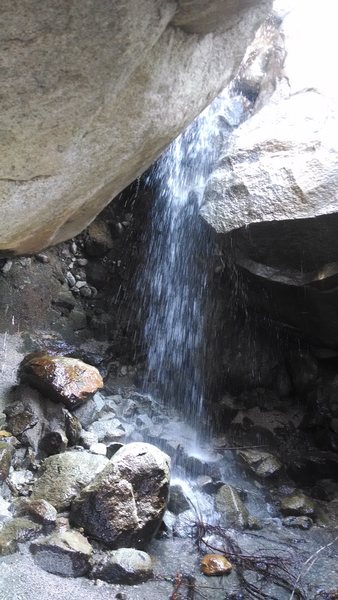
point(175, 278)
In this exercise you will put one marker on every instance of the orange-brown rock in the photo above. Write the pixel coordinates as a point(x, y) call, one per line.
point(62, 379)
point(215, 564)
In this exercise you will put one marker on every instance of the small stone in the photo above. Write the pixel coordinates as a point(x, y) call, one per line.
point(98, 449)
point(80, 284)
point(143, 421)
point(82, 262)
point(64, 553)
point(85, 292)
point(42, 258)
point(215, 564)
point(70, 278)
point(297, 504)
point(7, 266)
point(17, 531)
point(73, 428)
point(126, 566)
point(298, 522)
point(108, 430)
point(73, 248)
point(124, 370)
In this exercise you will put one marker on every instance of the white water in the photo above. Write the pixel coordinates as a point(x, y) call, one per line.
point(175, 278)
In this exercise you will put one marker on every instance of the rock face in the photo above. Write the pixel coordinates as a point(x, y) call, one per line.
point(64, 475)
point(278, 178)
point(282, 163)
point(66, 380)
point(124, 505)
point(112, 88)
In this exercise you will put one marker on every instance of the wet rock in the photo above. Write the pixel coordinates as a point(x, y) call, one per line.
point(65, 300)
point(98, 240)
point(63, 379)
point(6, 437)
point(91, 410)
point(88, 438)
point(231, 508)
point(177, 500)
point(185, 524)
point(125, 566)
point(17, 531)
point(72, 428)
point(64, 553)
point(262, 464)
point(298, 522)
point(108, 430)
point(6, 453)
point(62, 476)
point(297, 504)
point(39, 510)
point(20, 482)
point(304, 371)
point(124, 505)
point(215, 564)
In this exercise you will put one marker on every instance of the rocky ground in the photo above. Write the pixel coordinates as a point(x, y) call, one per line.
point(258, 487)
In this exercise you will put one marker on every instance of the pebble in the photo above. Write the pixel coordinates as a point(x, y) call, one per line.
point(7, 266)
point(71, 279)
point(86, 292)
point(43, 258)
point(82, 262)
point(80, 284)
point(73, 247)
point(124, 370)
point(215, 564)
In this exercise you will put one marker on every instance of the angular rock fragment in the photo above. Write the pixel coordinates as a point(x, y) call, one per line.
point(63, 379)
point(16, 531)
point(262, 464)
point(64, 475)
point(124, 505)
point(298, 504)
point(6, 453)
point(39, 510)
point(231, 508)
point(126, 565)
point(64, 553)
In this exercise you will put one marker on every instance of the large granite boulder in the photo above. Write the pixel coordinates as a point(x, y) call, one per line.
point(282, 162)
point(91, 95)
point(124, 505)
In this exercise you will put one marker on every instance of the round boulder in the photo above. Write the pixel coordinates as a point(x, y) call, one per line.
point(124, 505)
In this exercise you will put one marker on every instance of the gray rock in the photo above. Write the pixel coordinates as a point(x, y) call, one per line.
point(91, 410)
point(125, 566)
point(298, 504)
point(70, 278)
point(232, 511)
point(21, 481)
point(62, 476)
point(177, 500)
point(98, 448)
point(262, 464)
point(6, 453)
point(108, 430)
point(298, 522)
point(87, 438)
point(64, 553)
point(17, 531)
point(39, 510)
point(124, 505)
point(152, 57)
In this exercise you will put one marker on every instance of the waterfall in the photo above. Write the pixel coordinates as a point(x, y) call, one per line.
point(174, 281)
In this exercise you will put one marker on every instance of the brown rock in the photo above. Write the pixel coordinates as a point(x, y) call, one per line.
point(215, 564)
point(6, 453)
point(63, 379)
